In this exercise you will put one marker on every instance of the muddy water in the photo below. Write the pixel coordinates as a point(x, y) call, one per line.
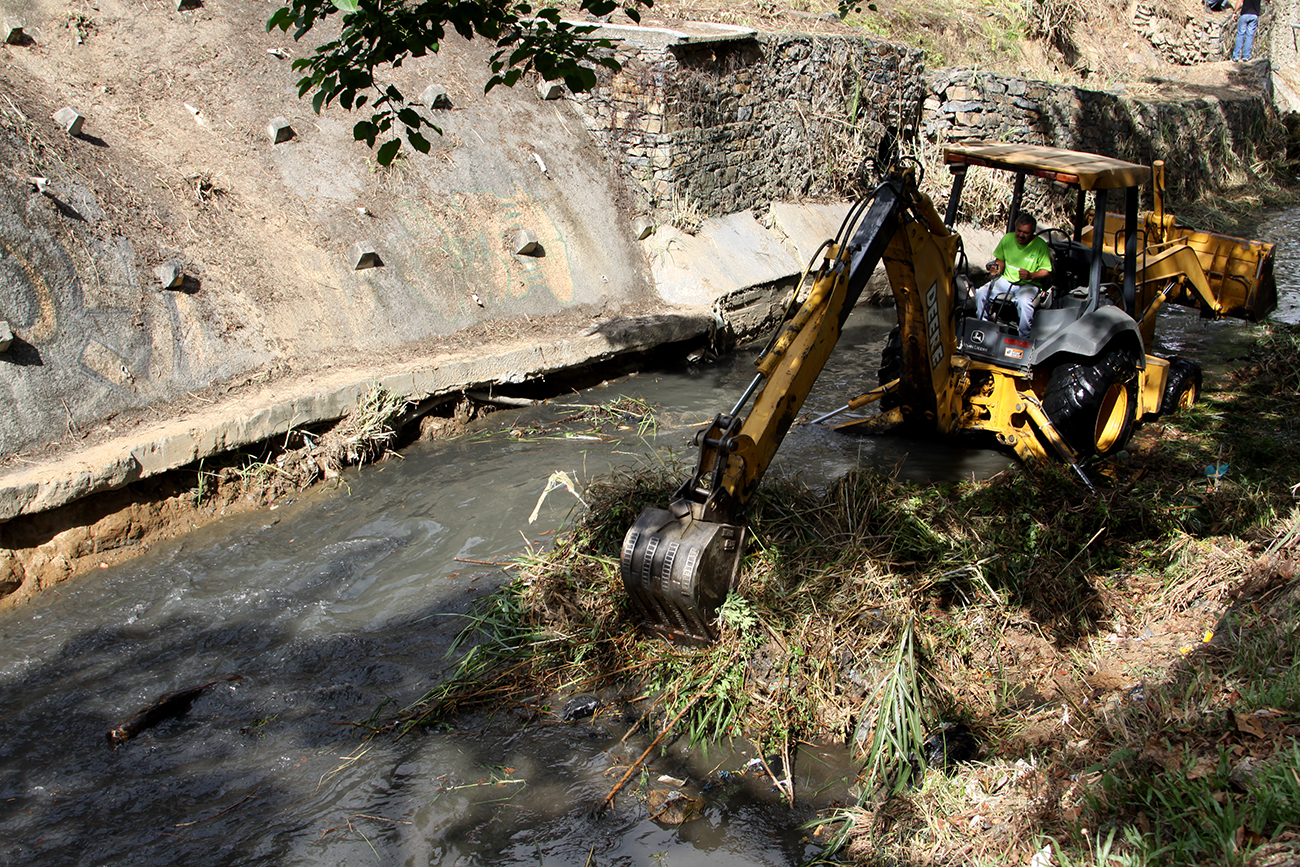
point(339, 602)
point(1284, 231)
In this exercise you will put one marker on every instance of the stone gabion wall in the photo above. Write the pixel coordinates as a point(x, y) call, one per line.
point(1207, 143)
point(731, 125)
point(1186, 40)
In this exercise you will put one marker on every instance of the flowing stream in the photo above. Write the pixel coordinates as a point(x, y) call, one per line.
point(348, 598)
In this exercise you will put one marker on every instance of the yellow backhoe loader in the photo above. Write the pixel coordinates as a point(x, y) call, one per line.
point(1077, 386)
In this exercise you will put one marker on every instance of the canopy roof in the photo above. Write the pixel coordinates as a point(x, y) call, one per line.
point(1087, 171)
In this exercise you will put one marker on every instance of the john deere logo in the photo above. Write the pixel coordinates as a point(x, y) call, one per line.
point(977, 337)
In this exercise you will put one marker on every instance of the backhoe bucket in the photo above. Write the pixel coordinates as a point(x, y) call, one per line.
point(678, 571)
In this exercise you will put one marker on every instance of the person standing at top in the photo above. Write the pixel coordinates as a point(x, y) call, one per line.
point(1023, 261)
point(1246, 25)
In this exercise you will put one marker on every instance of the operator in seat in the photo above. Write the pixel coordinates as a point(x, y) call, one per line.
point(1029, 260)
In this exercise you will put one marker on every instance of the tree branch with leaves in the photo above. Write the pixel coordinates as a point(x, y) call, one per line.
point(379, 34)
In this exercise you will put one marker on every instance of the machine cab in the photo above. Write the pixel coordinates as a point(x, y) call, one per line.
point(1074, 290)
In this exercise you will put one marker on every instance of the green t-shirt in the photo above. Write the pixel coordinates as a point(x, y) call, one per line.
point(1034, 256)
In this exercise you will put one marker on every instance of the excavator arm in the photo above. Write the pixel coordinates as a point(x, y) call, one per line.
point(679, 563)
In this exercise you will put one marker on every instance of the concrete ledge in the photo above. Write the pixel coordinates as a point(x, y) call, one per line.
point(277, 409)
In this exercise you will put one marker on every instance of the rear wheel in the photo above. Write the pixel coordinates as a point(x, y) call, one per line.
point(1183, 388)
point(1093, 403)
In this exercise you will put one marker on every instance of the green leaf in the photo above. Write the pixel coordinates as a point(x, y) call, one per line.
point(346, 5)
point(365, 131)
point(410, 117)
point(581, 80)
point(387, 151)
point(419, 142)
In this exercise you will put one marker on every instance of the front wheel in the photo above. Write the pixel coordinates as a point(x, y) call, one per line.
point(1183, 387)
point(1093, 403)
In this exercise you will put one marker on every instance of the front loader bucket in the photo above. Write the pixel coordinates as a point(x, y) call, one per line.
point(677, 572)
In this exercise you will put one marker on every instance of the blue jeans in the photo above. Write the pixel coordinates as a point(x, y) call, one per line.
point(1025, 294)
point(1245, 37)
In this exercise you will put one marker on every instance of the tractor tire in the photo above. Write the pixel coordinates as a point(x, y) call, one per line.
point(1183, 388)
point(1093, 404)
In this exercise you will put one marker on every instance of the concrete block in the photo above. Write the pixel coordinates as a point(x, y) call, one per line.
point(550, 89)
point(278, 130)
point(12, 31)
point(435, 96)
point(362, 255)
point(70, 119)
point(524, 243)
point(642, 228)
point(6, 336)
point(170, 275)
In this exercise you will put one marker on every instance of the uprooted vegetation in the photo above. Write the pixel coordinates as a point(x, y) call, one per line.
point(1128, 660)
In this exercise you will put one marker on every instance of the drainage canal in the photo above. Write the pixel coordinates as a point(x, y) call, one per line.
point(347, 599)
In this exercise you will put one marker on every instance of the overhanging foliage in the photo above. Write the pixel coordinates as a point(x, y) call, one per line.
point(375, 34)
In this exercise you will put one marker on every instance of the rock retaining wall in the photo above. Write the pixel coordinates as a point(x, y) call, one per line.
point(711, 127)
point(1208, 142)
point(1184, 39)
point(728, 125)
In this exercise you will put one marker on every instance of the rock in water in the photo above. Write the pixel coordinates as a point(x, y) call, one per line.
point(672, 808)
point(579, 707)
point(172, 705)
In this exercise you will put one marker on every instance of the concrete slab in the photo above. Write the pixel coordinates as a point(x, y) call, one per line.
point(524, 243)
point(685, 32)
point(435, 96)
point(278, 130)
point(170, 275)
point(728, 254)
point(362, 255)
point(803, 228)
point(70, 119)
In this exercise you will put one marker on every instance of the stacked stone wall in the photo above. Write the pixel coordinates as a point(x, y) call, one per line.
point(727, 126)
point(731, 125)
point(1207, 142)
point(1187, 40)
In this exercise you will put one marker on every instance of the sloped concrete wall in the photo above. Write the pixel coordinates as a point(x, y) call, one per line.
point(174, 164)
